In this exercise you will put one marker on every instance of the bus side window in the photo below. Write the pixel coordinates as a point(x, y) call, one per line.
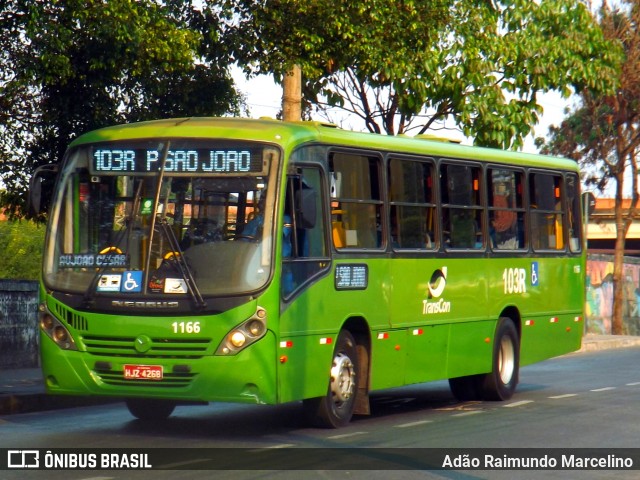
point(412, 204)
point(461, 206)
point(574, 213)
point(356, 201)
point(547, 216)
point(506, 209)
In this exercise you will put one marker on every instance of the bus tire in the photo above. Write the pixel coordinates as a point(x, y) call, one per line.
point(150, 409)
point(501, 383)
point(335, 409)
point(466, 389)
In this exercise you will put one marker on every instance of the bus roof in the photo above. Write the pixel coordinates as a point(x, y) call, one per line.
point(291, 134)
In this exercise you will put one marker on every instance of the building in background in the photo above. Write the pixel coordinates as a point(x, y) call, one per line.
point(601, 229)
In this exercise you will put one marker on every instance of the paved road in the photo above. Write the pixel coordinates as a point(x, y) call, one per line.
point(583, 400)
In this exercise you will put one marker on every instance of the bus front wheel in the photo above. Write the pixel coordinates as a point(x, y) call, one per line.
point(501, 383)
point(335, 409)
point(150, 409)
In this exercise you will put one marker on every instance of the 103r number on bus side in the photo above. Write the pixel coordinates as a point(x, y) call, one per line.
point(514, 280)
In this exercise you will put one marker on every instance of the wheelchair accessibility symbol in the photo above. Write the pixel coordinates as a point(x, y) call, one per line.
point(132, 281)
point(535, 278)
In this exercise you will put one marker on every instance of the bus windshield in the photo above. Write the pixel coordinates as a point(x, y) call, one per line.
point(163, 218)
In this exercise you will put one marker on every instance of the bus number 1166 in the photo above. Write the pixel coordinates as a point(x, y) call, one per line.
point(185, 327)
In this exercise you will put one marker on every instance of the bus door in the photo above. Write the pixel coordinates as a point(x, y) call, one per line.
point(306, 288)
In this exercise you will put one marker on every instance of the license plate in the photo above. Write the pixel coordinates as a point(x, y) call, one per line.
point(143, 372)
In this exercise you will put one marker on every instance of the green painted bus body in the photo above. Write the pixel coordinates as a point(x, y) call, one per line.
point(410, 337)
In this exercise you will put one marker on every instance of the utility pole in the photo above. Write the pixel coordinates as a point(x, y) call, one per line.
point(292, 95)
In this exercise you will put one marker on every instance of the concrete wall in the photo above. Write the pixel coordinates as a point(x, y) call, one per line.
point(18, 324)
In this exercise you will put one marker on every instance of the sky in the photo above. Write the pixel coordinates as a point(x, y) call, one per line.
point(264, 98)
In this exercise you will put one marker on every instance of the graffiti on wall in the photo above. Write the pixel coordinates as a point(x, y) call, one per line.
point(599, 302)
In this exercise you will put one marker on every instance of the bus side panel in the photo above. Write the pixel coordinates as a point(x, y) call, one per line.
point(444, 304)
point(427, 353)
point(312, 322)
point(470, 348)
point(305, 363)
point(550, 336)
point(552, 309)
point(388, 358)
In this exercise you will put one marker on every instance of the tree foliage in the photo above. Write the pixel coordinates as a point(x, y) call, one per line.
point(409, 66)
point(603, 132)
point(21, 243)
point(75, 65)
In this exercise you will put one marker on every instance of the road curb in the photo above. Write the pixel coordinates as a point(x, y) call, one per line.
point(38, 402)
point(609, 342)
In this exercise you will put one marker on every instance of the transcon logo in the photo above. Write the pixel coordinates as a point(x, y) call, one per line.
point(435, 289)
point(437, 283)
point(150, 304)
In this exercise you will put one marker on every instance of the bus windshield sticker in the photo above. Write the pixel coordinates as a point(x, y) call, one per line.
point(175, 285)
point(109, 283)
point(132, 281)
point(351, 277)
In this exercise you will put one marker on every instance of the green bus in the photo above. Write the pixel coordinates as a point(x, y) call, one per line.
point(233, 260)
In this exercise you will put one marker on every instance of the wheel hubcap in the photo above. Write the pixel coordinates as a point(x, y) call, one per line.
point(506, 360)
point(343, 378)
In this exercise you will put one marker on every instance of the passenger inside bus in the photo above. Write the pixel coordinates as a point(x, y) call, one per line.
point(503, 229)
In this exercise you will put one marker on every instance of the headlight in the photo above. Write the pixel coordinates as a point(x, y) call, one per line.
point(248, 332)
point(47, 322)
point(55, 330)
point(237, 339)
point(256, 328)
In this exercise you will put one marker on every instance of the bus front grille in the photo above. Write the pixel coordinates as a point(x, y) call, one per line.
point(72, 319)
point(169, 380)
point(159, 347)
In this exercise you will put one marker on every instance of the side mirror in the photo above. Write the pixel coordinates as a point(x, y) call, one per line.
point(41, 189)
point(306, 200)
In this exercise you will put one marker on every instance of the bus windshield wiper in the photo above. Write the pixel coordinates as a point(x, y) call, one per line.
point(181, 263)
point(170, 236)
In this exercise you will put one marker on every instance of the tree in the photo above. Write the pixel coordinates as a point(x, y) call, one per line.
point(75, 65)
point(409, 66)
point(21, 244)
point(603, 133)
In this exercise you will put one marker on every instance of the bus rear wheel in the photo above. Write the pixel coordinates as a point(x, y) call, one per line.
point(150, 409)
point(335, 409)
point(501, 383)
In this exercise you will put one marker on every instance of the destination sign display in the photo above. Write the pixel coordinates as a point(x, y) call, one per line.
point(102, 260)
point(351, 277)
point(198, 160)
